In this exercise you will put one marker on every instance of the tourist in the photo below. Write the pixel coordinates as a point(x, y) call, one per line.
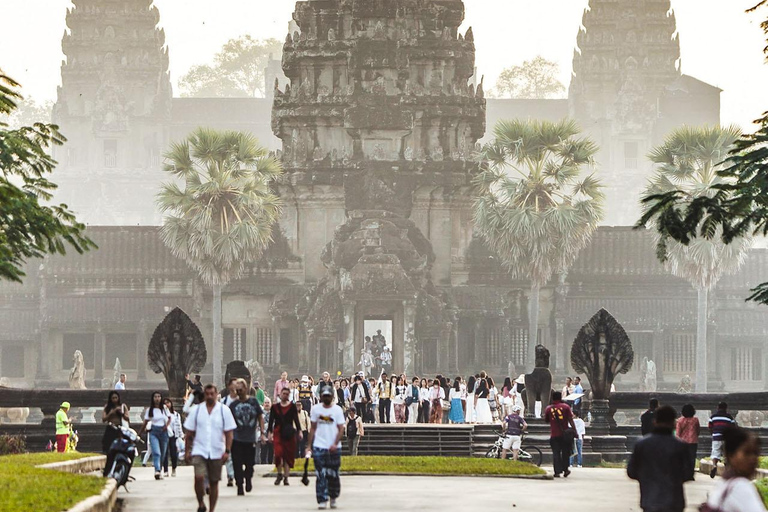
point(506, 397)
point(493, 399)
point(718, 422)
point(355, 431)
point(193, 400)
point(280, 384)
point(568, 388)
point(581, 431)
point(469, 417)
point(304, 428)
point(578, 389)
point(305, 395)
point(175, 435)
point(249, 417)
point(295, 385)
point(62, 427)
point(398, 401)
point(266, 449)
point(259, 394)
point(482, 407)
point(120, 384)
point(115, 413)
point(560, 418)
point(385, 398)
point(661, 464)
point(158, 418)
point(423, 401)
point(514, 426)
point(342, 396)
point(386, 359)
point(688, 430)
point(737, 493)
point(283, 429)
point(360, 396)
point(195, 385)
point(646, 419)
point(325, 447)
point(412, 401)
point(454, 396)
point(227, 399)
point(209, 444)
point(436, 397)
point(373, 406)
point(326, 381)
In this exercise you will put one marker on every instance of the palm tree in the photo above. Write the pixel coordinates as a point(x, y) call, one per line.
point(689, 162)
point(534, 208)
point(221, 218)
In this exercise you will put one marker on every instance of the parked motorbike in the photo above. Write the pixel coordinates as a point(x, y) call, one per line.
point(121, 455)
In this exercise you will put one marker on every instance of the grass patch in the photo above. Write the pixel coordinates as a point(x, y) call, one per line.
point(762, 488)
point(763, 463)
point(456, 466)
point(24, 487)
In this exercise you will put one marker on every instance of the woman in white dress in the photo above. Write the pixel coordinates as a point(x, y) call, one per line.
point(493, 399)
point(470, 415)
point(482, 409)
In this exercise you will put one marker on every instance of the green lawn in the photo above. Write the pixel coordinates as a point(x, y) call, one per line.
point(24, 487)
point(762, 488)
point(763, 463)
point(457, 466)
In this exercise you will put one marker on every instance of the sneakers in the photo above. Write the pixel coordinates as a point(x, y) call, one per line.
point(158, 476)
point(248, 485)
point(173, 473)
point(230, 482)
point(166, 474)
point(333, 504)
point(322, 506)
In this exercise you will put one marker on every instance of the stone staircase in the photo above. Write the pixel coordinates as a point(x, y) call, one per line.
point(417, 440)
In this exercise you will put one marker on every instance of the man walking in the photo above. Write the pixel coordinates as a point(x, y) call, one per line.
point(325, 447)
point(661, 464)
point(281, 383)
point(515, 425)
point(228, 396)
point(209, 443)
point(412, 401)
point(360, 395)
point(355, 431)
point(248, 417)
point(718, 422)
point(561, 433)
point(325, 382)
point(385, 398)
point(62, 427)
point(646, 419)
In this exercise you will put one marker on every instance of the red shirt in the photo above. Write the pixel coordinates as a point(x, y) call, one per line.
point(688, 430)
point(559, 416)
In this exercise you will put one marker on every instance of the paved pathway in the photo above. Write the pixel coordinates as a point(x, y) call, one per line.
point(597, 490)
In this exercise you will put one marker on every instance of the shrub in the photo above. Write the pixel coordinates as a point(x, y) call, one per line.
point(12, 445)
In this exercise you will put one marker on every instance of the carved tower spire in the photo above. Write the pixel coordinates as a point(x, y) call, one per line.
point(113, 106)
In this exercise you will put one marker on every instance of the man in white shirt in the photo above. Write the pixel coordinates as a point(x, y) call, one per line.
point(581, 431)
point(120, 384)
point(325, 447)
point(209, 441)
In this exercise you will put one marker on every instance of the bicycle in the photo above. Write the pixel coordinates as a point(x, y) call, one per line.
point(528, 452)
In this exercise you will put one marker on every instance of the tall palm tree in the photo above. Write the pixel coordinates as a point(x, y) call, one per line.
point(690, 161)
point(535, 207)
point(220, 218)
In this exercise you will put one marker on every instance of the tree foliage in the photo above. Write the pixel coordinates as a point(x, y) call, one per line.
point(29, 226)
point(734, 208)
point(533, 79)
point(237, 71)
point(534, 206)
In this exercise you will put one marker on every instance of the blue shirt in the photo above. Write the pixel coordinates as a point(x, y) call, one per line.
point(578, 389)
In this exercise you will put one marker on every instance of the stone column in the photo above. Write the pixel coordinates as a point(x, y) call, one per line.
point(98, 355)
point(454, 366)
point(142, 343)
point(278, 341)
point(409, 324)
point(44, 349)
point(560, 346)
point(349, 363)
point(479, 352)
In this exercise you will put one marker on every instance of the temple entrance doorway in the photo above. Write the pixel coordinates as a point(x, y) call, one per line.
point(384, 316)
point(373, 327)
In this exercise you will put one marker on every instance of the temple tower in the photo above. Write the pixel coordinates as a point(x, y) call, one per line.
point(114, 105)
point(378, 115)
point(627, 57)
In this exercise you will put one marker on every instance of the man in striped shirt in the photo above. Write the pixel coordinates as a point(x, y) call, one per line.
point(718, 422)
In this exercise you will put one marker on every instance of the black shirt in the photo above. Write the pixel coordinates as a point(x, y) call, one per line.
point(661, 464)
point(646, 422)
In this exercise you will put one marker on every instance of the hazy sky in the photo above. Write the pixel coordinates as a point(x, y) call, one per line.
point(720, 44)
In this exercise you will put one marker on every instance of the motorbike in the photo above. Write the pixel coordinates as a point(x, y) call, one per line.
point(121, 455)
point(528, 453)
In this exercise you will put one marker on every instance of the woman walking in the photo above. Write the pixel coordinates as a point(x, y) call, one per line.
point(158, 418)
point(175, 435)
point(114, 413)
point(469, 417)
point(424, 401)
point(399, 400)
point(482, 408)
point(283, 430)
point(737, 493)
point(436, 397)
point(688, 430)
point(457, 411)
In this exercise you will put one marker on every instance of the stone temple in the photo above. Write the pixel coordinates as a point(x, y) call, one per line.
point(376, 118)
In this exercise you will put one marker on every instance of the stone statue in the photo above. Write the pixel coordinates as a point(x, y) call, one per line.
point(602, 351)
point(257, 372)
point(686, 385)
point(116, 375)
point(16, 415)
point(538, 384)
point(77, 374)
point(237, 370)
point(177, 348)
point(648, 376)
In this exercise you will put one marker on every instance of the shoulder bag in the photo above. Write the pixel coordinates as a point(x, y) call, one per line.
point(704, 507)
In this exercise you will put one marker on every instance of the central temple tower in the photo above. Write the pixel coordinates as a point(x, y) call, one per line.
point(379, 113)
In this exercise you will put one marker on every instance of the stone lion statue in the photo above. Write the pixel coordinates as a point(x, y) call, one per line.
point(538, 384)
point(77, 375)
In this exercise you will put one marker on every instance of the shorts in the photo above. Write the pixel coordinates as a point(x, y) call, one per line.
point(717, 450)
point(513, 442)
point(209, 468)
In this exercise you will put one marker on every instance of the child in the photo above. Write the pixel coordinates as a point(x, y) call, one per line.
point(355, 431)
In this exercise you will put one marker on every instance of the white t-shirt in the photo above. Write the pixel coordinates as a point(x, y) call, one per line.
point(328, 420)
point(209, 429)
point(742, 497)
point(159, 417)
point(120, 386)
point(455, 394)
point(581, 428)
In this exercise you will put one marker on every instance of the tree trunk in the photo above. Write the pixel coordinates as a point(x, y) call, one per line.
point(533, 326)
point(217, 344)
point(701, 342)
